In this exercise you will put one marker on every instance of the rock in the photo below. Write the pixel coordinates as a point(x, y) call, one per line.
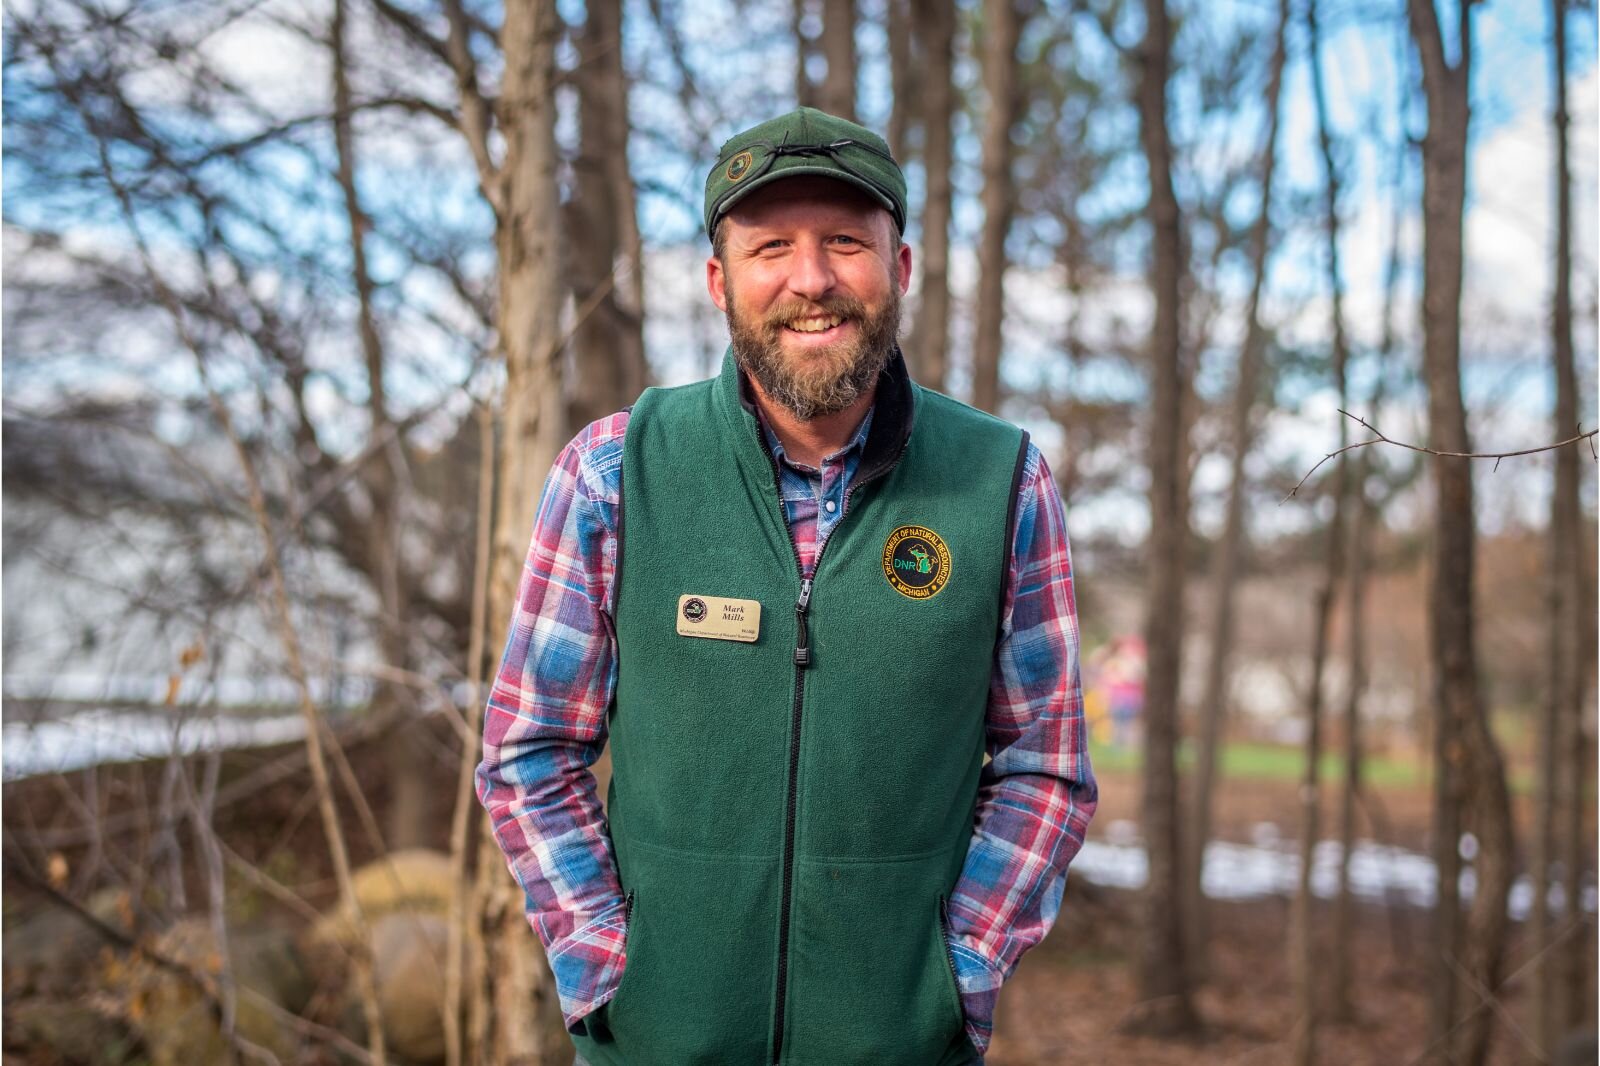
point(409, 949)
point(405, 899)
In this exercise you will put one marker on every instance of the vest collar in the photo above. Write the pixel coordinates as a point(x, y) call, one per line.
point(893, 412)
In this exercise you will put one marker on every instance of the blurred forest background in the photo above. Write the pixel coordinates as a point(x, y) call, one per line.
point(303, 296)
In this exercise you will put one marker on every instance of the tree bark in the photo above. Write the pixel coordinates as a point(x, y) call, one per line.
point(838, 95)
point(1303, 938)
point(1469, 770)
point(534, 427)
point(1562, 985)
point(410, 799)
point(930, 334)
point(905, 59)
point(608, 362)
point(1342, 963)
point(464, 951)
point(1231, 549)
point(807, 93)
point(1002, 28)
point(1163, 972)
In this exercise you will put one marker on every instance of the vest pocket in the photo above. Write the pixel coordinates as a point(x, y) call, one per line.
point(955, 980)
point(949, 957)
point(870, 982)
point(696, 988)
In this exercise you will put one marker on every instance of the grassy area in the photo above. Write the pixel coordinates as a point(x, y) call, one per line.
point(1243, 759)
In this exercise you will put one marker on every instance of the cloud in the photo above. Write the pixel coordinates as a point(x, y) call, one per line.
point(1511, 223)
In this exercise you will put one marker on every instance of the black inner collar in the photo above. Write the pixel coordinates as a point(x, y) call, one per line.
point(892, 412)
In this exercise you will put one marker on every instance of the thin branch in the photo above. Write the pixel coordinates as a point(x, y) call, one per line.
point(477, 114)
point(1379, 438)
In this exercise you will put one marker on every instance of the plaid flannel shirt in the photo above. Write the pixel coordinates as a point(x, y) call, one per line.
point(545, 725)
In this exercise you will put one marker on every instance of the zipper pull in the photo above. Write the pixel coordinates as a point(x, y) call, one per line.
point(802, 647)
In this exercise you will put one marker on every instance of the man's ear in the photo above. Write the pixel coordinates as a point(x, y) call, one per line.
point(903, 266)
point(717, 283)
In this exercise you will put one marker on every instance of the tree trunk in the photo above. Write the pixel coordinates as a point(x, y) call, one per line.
point(1469, 769)
point(608, 365)
point(1341, 989)
point(410, 798)
point(806, 91)
point(1002, 29)
point(935, 28)
point(463, 950)
point(1551, 791)
point(1303, 939)
point(1164, 975)
point(900, 23)
point(1565, 999)
point(839, 49)
point(534, 428)
point(1230, 550)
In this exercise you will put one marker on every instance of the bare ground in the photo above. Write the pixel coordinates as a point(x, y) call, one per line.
point(1064, 1005)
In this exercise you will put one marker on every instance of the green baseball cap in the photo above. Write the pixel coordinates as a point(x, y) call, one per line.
point(805, 141)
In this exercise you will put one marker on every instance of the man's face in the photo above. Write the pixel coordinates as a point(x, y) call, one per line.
point(810, 279)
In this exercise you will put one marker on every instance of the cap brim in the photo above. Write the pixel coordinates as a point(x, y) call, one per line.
point(803, 170)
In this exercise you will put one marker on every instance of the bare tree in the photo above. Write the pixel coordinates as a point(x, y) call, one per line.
point(511, 137)
point(607, 273)
point(826, 30)
point(902, 26)
point(802, 16)
point(1303, 938)
point(1469, 773)
point(1559, 984)
point(934, 29)
point(522, 187)
point(1342, 967)
point(839, 49)
point(411, 795)
point(1163, 972)
point(1002, 29)
point(1230, 550)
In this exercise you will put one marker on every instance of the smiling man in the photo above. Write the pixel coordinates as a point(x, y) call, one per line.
point(802, 601)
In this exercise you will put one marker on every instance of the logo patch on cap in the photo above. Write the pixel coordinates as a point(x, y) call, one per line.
point(739, 166)
point(916, 562)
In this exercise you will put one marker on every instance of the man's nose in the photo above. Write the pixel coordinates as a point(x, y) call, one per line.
point(810, 272)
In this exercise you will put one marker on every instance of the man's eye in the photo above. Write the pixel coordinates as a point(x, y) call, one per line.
point(846, 238)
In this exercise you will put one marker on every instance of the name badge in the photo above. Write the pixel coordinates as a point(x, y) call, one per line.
point(719, 618)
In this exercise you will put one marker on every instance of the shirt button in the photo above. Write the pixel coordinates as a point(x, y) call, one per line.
point(830, 506)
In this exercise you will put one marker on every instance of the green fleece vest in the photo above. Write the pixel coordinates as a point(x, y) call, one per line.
point(790, 814)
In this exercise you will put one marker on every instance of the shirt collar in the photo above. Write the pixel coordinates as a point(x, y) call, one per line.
point(857, 442)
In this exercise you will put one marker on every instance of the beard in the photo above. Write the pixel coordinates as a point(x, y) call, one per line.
point(824, 380)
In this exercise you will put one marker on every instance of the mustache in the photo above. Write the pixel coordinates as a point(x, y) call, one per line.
point(843, 305)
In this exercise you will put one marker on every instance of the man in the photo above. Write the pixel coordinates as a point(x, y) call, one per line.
point(802, 599)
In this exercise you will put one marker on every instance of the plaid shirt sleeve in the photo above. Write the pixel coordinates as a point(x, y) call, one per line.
point(1038, 792)
point(545, 725)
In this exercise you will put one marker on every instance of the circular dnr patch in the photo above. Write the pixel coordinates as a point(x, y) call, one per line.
point(916, 562)
point(694, 609)
point(739, 166)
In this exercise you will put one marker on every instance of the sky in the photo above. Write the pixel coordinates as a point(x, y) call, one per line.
point(1509, 216)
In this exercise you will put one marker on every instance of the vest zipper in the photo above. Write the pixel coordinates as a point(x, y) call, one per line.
point(802, 660)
